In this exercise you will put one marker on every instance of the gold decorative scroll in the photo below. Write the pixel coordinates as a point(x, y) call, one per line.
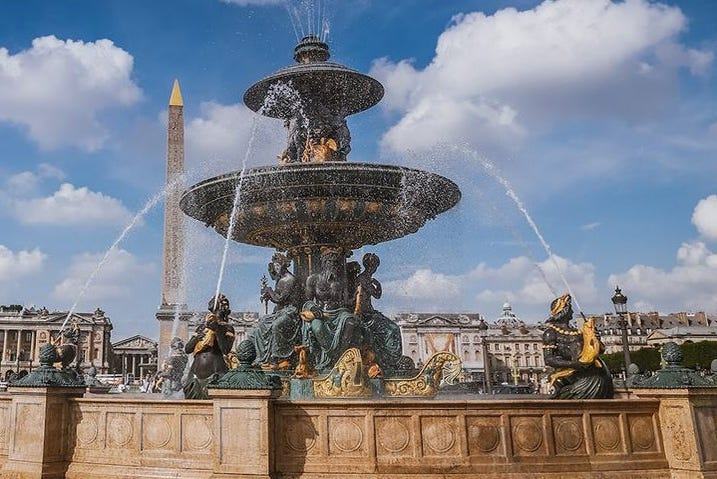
point(346, 379)
point(442, 368)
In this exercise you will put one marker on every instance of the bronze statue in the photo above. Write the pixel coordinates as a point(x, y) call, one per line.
point(579, 372)
point(329, 327)
point(380, 333)
point(169, 377)
point(212, 340)
point(276, 334)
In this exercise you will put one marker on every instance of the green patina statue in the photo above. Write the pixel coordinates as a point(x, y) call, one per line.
point(276, 334)
point(579, 372)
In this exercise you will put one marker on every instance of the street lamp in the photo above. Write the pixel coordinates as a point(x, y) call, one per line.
point(619, 300)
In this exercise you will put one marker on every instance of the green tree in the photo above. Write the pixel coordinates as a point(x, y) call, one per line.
point(647, 359)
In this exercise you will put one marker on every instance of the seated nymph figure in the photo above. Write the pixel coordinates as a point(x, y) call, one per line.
point(329, 327)
point(381, 334)
point(211, 342)
point(579, 372)
point(276, 334)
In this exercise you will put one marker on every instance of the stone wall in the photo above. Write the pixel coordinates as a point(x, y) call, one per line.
point(255, 435)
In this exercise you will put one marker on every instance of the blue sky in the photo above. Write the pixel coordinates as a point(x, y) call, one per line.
point(600, 115)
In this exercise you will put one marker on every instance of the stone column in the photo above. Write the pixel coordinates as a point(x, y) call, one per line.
point(688, 425)
point(40, 437)
point(17, 348)
point(4, 346)
point(245, 414)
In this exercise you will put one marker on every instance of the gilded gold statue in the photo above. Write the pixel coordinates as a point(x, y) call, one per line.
point(574, 354)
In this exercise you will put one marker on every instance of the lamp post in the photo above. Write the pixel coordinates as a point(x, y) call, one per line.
point(619, 300)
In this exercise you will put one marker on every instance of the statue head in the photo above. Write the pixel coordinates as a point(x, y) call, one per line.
point(331, 258)
point(279, 264)
point(176, 344)
point(561, 309)
point(353, 269)
point(371, 262)
point(220, 306)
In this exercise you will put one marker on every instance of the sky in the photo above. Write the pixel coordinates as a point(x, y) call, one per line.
point(598, 118)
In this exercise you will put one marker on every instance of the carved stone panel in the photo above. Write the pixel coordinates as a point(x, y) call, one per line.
point(642, 433)
point(393, 436)
point(197, 432)
point(569, 435)
point(706, 419)
point(440, 436)
point(88, 430)
point(29, 427)
point(347, 436)
point(120, 430)
point(4, 426)
point(157, 431)
point(676, 431)
point(299, 435)
point(607, 436)
point(527, 436)
point(484, 436)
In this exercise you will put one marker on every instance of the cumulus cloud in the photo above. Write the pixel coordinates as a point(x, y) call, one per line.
point(218, 139)
point(22, 263)
point(57, 88)
point(71, 206)
point(519, 281)
point(117, 278)
point(705, 217)
point(689, 286)
point(514, 71)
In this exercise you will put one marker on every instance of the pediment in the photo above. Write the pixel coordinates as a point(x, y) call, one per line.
point(438, 320)
point(59, 318)
point(135, 342)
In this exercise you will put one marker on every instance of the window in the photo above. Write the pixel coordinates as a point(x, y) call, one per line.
point(476, 339)
point(526, 347)
point(97, 354)
point(527, 362)
point(535, 346)
point(497, 347)
point(28, 336)
point(466, 339)
point(413, 339)
point(477, 355)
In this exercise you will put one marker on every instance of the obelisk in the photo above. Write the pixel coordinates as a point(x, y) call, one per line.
point(173, 302)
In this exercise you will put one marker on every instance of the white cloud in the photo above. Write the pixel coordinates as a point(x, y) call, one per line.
point(118, 278)
point(57, 89)
point(218, 139)
point(514, 71)
point(22, 263)
point(25, 183)
point(689, 286)
point(590, 226)
point(71, 206)
point(705, 217)
point(519, 281)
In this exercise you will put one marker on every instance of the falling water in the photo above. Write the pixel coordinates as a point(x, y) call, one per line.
point(280, 95)
point(148, 206)
point(492, 171)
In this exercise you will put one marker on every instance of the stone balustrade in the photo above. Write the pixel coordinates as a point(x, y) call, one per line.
point(56, 433)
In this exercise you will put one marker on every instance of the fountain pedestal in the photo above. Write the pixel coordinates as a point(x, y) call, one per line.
point(40, 441)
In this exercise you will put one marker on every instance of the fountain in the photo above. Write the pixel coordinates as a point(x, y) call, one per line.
point(316, 207)
point(275, 413)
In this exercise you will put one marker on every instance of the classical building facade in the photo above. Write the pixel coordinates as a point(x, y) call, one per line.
point(507, 349)
point(514, 349)
point(642, 326)
point(134, 357)
point(24, 330)
point(424, 334)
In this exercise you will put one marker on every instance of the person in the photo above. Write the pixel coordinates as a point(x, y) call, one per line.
point(275, 335)
point(579, 372)
point(212, 340)
point(380, 333)
point(329, 327)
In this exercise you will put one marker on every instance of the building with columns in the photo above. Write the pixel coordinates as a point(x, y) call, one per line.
point(507, 349)
point(134, 357)
point(24, 330)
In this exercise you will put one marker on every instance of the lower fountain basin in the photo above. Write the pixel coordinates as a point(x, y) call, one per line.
point(311, 204)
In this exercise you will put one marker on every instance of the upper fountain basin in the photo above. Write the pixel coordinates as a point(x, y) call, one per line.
point(312, 204)
point(337, 88)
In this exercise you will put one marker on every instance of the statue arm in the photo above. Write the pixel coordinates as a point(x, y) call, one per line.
point(377, 291)
point(225, 338)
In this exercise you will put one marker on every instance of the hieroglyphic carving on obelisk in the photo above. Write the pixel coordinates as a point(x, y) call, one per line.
point(172, 276)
